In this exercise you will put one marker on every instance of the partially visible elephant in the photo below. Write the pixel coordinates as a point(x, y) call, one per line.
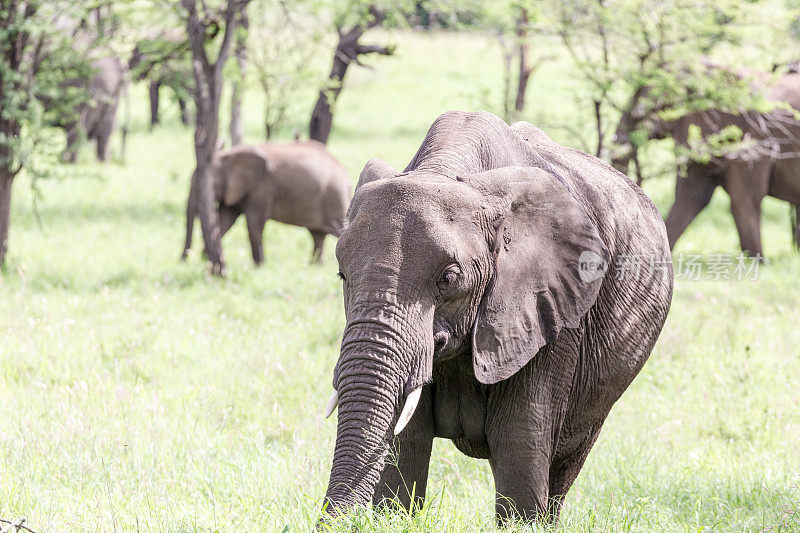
point(765, 163)
point(299, 183)
point(96, 119)
point(488, 302)
point(164, 60)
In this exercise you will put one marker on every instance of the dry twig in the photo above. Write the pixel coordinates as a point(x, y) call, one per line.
point(14, 526)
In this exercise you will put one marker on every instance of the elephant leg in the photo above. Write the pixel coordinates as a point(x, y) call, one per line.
point(564, 470)
point(406, 470)
point(742, 182)
point(319, 240)
point(747, 215)
point(153, 89)
point(521, 484)
point(795, 214)
point(227, 217)
point(71, 151)
point(524, 417)
point(108, 121)
point(692, 195)
point(255, 229)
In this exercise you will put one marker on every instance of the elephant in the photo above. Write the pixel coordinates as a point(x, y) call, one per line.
point(765, 163)
point(487, 302)
point(97, 117)
point(300, 183)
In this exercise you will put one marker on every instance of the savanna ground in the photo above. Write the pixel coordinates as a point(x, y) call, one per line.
point(136, 393)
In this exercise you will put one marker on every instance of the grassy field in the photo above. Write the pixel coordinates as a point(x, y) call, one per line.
point(136, 393)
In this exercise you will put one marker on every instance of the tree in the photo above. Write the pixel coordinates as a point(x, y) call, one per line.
point(513, 22)
point(163, 59)
point(204, 26)
point(37, 56)
point(282, 46)
point(348, 50)
point(639, 58)
point(240, 52)
point(525, 66)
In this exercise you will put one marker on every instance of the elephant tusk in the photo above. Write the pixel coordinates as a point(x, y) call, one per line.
point(408, 410)
point(332, 403)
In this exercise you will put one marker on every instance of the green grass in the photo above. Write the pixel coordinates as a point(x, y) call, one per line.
point(137, 393)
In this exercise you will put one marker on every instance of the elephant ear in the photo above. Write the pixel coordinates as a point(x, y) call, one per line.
point(374, 170)
point(241, 172)
point(550, 262)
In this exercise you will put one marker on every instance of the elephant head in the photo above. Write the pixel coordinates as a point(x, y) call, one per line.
point(433, 267)
point(234, 174)
point(238, 171)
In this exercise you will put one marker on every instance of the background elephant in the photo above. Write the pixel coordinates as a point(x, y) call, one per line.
point(300, 184)
point(164, 60)
point(96, 118)
point(765, 163)
point(470, 318)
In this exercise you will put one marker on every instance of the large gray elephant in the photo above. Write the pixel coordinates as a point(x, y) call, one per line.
point(96, 118)
point(299, 183)
point(490, 300)
point(765, 163)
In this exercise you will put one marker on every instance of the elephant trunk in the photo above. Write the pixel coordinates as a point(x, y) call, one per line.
point(367, 405)
point(378, 379)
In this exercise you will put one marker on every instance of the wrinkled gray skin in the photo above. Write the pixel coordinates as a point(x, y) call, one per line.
point(770, 168)
point(300, 184)
point(461, 277)
point(97, 118)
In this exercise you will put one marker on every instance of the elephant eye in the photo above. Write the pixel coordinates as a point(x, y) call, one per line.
point(449, 278)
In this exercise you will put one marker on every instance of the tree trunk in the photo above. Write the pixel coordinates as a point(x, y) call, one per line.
point(322, 117)
point(525, 68)
point(153, 90)
point(347, 51)
point(623, 151)
point(15, 45)
point(184, 109)
point(601, 134)
point(236, 113)
point(207, 100)
point(207, 94)
point(508, 56)
point(6, 180)
point(236, 94)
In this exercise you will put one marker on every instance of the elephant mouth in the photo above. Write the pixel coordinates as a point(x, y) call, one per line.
point(446, 346)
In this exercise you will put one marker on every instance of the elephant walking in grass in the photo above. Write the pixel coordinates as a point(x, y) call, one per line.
point(97, 118)
point(487, 303)
point(765, 162)
point(300, 184)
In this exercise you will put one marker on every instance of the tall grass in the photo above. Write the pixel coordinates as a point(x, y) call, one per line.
point(137, 393)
